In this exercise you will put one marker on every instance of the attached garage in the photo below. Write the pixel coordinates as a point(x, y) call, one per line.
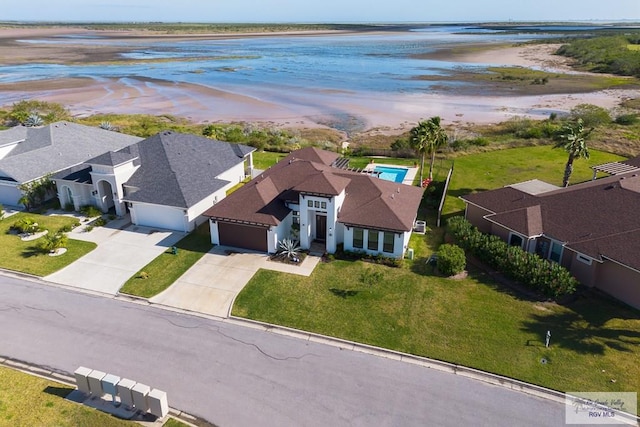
point(157, 216)
point(243, 236)
point(9, 194)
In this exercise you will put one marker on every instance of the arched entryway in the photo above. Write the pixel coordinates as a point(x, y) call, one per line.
point(66, 197)
point(105, 195)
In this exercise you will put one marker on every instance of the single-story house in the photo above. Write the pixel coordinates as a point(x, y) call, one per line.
point(307, 198)
point(166, 181)
point(591, 228)
point(28, 154)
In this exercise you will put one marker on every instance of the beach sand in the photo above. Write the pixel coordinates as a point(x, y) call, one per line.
point(86, 96)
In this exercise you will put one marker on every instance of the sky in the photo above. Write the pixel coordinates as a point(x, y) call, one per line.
point(326, 11)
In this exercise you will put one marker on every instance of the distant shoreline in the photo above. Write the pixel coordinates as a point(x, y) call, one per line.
point(199, 103)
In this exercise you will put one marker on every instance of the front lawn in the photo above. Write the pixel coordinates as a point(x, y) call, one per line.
point(160, 273)
point(23, 256)
point(473, 322)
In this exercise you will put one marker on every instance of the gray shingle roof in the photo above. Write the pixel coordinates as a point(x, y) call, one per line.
point(180, 169)
point(56, 147)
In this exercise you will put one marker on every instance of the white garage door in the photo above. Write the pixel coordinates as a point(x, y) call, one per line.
point(158, 217)
point(9, 194)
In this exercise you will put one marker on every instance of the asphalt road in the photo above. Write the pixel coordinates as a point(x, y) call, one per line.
point(237, 376)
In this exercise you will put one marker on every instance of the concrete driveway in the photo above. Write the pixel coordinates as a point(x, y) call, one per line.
point(212, 284)
point(123, 249)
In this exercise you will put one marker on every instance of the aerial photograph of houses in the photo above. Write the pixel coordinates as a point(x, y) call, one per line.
point(319, 214)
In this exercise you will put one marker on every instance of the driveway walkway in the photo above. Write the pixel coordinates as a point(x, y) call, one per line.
point(120, 254)
point(212, 284)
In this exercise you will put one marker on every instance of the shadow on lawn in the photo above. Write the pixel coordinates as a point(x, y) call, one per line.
point(58, 391)
point(343, 293)
point(31, 251)
point(584, 328)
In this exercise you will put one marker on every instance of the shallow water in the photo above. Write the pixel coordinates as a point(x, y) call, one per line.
point(321, 76)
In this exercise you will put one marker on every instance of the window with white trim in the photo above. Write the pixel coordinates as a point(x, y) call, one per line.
point(296, 217)
point(358, 238)
point(556, 252)
point(388, 241)
point(372, 243)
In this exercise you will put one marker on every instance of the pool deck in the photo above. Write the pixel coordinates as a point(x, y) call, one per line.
point(408, 178)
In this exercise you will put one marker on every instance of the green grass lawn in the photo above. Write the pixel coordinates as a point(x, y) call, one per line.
point(18, 255)
point(266, 159)
point(494, 169)
point(26, 400)
point(167, 268)
point(473, 322)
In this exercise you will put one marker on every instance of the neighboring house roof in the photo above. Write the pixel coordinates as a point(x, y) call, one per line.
point(596, 218)
point(55, 147)
point(178, 169)
point(370, 202)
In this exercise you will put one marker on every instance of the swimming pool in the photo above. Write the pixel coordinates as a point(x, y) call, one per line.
point(389, 173)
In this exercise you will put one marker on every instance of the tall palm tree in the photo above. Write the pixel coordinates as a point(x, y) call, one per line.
point(418, 138)
point(437, 138)
point(426, 138)
point(573, 139)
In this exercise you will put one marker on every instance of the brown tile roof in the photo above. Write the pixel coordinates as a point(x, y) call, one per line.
point(369, 202)
point(596, 218)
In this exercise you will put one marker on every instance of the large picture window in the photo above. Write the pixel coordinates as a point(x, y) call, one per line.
point(387, 244)
point(372, 244)
point(358, 238)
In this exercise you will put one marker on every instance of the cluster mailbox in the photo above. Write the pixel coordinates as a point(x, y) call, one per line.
point(132, 395)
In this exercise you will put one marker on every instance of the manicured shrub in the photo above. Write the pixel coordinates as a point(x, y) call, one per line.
point(26, 225)
point(546, 277)
point(52, 242)
point(451, 259)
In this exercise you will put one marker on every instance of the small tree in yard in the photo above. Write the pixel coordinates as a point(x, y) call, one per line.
point(52, 242)
point(451, 259)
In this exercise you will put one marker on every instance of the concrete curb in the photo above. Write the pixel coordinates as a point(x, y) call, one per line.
point(476, 374)
point(69, 380)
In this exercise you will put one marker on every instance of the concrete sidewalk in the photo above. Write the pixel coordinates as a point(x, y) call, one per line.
point(120, 254)
point(212, 284)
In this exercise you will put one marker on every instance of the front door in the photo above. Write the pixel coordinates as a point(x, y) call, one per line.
point(321, 228)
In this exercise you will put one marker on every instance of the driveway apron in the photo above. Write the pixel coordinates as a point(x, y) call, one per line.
point(211, 285)
point(120, 254)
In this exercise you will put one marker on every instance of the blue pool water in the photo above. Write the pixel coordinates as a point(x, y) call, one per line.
point(389, 173)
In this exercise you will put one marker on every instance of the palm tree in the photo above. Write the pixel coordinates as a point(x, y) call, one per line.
point(573, 139)
point(418, 137)
point(437, 138)
point(426, 138)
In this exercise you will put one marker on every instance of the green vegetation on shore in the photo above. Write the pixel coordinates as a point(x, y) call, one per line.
point(619, 54)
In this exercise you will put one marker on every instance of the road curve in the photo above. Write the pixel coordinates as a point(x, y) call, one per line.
point(237, 376)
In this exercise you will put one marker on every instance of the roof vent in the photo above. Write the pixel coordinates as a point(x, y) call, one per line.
point(392, 196)
point(634, 175)
point(398, 190)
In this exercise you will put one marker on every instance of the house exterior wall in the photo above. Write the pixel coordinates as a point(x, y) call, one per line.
point(116, 177)
point(308, 214)
point(194, 213)
point(586, 274)
point(620, 282)
point(80, 194)
point(401, 241)
point(475, 215)
point(9, 193)
point(234, 174)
